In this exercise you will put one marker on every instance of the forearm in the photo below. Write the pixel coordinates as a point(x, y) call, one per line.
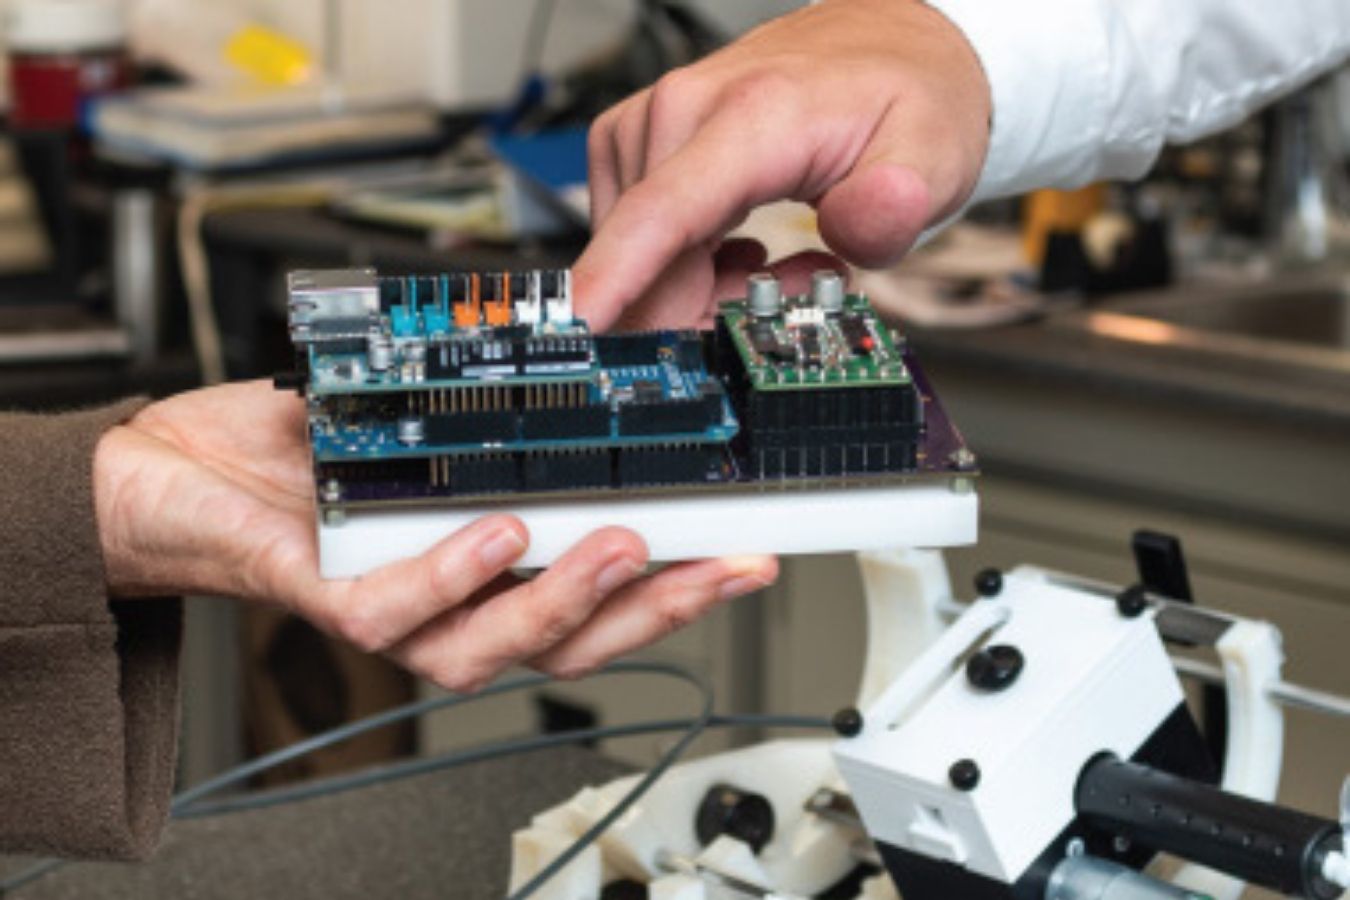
point(1092, 89)
point(88, 698)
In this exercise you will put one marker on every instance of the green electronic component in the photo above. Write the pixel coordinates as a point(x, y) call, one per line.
point(803, 347)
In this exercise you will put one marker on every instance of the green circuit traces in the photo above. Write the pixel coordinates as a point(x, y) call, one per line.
point(801, 348)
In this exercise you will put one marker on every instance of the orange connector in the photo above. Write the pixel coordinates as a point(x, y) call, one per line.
point(469, 314)
point(498, 312)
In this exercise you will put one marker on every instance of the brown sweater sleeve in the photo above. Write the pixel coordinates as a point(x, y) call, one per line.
point(88, 688)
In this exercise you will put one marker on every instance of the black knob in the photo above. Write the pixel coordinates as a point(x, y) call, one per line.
point(729, 810)
point(627, 889)
point(848, 722)
point(1132, 601)
point(995, 668)
point(964, 775)
point(989, 583)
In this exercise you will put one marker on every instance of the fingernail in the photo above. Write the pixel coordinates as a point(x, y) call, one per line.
point(502, 549)
point(739, 587)
point(616, 575)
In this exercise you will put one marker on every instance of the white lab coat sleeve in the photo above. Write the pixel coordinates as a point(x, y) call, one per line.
point(1091, 89)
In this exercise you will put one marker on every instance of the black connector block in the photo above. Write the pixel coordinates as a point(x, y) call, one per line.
point(491, 427)
point(689, 352)
point(566, 471)
point(653, 466)
point(629, 351)
point(564, 424)
point(391, 293)
point(483, 474)
point(665, 417)
point(829, 461)
point(831, 431)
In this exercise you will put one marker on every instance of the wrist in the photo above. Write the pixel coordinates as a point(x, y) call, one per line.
point(148, 530)
point(110, 475)
point(167, 525)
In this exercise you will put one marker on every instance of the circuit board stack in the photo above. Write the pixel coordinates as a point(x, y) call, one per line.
point(474, 387)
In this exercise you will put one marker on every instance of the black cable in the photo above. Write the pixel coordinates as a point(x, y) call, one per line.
point(636, 793)
point(346, 732)
point(410, 768)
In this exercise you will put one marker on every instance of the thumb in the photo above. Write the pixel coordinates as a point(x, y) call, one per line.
point(875, 214)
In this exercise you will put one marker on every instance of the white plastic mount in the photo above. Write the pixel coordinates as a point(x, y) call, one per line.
point(690, 526)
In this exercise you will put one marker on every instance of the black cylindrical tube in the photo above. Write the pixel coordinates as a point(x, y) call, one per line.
point(1278, 848)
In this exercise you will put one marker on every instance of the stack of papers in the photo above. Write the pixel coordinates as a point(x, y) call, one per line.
point(214, 128)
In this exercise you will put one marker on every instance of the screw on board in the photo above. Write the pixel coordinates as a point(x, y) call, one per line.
point(963, 459)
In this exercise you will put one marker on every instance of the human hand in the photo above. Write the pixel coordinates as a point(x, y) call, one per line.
point(874, 111)
point(212, 492)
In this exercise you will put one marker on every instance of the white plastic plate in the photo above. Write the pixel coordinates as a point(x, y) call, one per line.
point(693, 526)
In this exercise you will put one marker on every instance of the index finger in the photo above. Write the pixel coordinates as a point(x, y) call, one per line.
point(738, 161)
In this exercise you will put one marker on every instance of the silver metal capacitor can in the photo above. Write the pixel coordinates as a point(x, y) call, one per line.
point(827, 291)
point(380, 353)
point(764, 296)
point(411, 431)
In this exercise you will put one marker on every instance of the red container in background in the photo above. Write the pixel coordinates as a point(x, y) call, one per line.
point(61, 54)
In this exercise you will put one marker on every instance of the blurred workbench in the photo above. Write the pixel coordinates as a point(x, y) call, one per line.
point(433, 836)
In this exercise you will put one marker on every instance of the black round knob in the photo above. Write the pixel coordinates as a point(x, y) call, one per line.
point(731, 811)
point(964, 775)
point(848, 722)
point(1132, 601)
point(995, 668)
point(625, 889)
point(989, 583)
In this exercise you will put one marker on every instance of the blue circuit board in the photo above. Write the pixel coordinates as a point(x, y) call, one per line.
point(622, 406)
point(457, 387)
point(453, 331)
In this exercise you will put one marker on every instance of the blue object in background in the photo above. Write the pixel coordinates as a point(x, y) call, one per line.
point(552, 164)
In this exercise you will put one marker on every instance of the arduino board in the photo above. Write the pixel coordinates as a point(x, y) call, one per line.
point(477, 390)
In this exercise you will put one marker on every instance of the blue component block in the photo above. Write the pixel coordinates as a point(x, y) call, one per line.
point(435, 320)
point(403, 321)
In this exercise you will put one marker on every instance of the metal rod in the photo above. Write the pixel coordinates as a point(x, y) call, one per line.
point(1281, 692)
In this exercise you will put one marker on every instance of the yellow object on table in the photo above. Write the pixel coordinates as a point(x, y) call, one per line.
point(1051, 211)
point(269, 56)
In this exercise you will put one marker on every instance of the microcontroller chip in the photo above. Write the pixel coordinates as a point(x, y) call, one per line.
point(647, 391)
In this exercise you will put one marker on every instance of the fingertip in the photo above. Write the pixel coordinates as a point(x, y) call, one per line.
point(594, 300)
point(770, 569)
point(496, 542)
point(764, 569)
point(874, 216)
point(512, 522)
point(614, 541)
point(503, 544)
